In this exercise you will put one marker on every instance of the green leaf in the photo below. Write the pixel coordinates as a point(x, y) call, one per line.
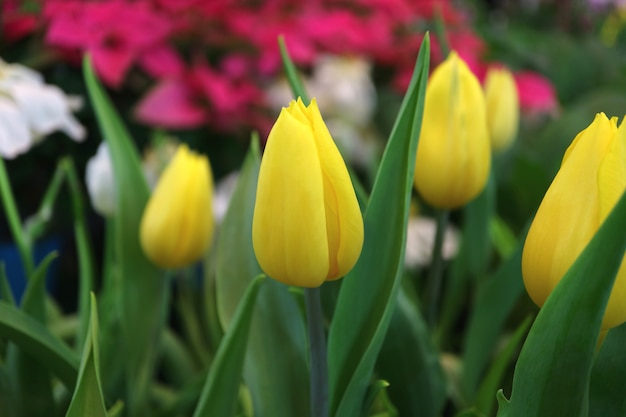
point(410, 362)
point(486, 396)
point(83, 247)
point(32, 383)
point(375, 388)
point(554, 367)
point(608, 377)
point(292, 73)
point(87, 399)
point(494, 301)
point(276, 354)
point(368, 293)
point(5, 288)
point(221, 390)
point(34, 338)
point(144, 289)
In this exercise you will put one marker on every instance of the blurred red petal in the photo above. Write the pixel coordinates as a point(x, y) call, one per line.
point(170, 105)
point(536, 93)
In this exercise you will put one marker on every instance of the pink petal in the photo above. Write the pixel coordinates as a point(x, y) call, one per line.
point(171, 105)
point(112, 63)
point(536, 93)
point(161, 62)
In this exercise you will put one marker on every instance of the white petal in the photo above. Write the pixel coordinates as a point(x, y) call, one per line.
point(15, 138)
point(46, 109)
point(100, 181)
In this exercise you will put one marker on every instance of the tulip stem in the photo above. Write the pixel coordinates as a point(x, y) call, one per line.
point(317, 347)
point(436, 268)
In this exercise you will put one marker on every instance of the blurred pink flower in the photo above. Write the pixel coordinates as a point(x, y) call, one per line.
point(116, 34)
point(536, 93)
point(199, 97)
point(15, 23)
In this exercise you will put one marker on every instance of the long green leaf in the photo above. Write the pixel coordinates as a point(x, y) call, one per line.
point(144, 288)
point(33, 337)
point(368, 293)
point(292, 73)
point(410, 363)
point(6, 294)
point(32, 383)
point(608, 377)
point(220, 392)
point(87, 399)
point(494, 302)
point(276, 354)
point(83, 248)
point(554, 367)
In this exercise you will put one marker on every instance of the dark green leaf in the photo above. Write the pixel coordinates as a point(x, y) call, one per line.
point(144, 290)
point(276, 355)
point(608, 377)
point(220, 392)
point(368, 293)
point(87, 399)
point(554, 367)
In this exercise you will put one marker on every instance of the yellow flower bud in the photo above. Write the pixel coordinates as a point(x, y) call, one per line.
point(502, 108)
point(453, 153)
point(307, 225)
point(591, 179)
point(177, 224)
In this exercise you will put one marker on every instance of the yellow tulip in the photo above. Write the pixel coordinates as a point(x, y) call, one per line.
point(502, 108)
point(177, 224)
point(453, 154)
point(591, 179)
point(307, 225)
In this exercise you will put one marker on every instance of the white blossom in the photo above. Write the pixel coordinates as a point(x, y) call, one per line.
point(101, 182)
point(30, 110)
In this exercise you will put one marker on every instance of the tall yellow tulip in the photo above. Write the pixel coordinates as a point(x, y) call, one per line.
point(591, 179)
point(177, 224)
point(307, 225)
point(453, 154)
point(502, 108)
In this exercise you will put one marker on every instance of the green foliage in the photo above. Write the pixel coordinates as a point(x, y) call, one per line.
point(368, 293)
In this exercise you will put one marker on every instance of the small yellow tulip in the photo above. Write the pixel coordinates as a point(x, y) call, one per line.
point(591, 179)
point(177, 224)
point(502, 108)
point(307, 225)
point(453, 153)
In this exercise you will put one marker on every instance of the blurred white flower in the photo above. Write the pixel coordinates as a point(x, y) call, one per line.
point(100, 181)
point(31, 110)
point(420, 240)
point(343, 88)
point(346, 96)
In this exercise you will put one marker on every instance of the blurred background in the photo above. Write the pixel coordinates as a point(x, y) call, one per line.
point(208, 73)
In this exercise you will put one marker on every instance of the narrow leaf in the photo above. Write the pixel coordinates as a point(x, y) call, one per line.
point(292, 73)
point(410, 362)
point(494, 301)
point(221, 390)
point(276, 354)
point(6, 294)
point(608, 377)
point(34, 338)
point(87, 399)
point(368, 293)
point(554, 367)
point(144, 291)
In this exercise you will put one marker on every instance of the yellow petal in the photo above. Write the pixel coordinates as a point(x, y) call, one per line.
point(289, 225)
point(177, 224)
point(344, 222)
point(579, 198)
point(454, 153)
point(502, 108)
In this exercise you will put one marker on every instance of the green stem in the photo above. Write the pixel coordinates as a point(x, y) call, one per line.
point(317, 342)
point(436, 268)
point(83, 247)
point(13, 219)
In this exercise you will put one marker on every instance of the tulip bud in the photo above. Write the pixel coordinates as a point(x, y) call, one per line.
point(502, 108)
point(307, 225)
point(100, 181)
point(589, 183)
point(177, 224)
point(453, 153)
